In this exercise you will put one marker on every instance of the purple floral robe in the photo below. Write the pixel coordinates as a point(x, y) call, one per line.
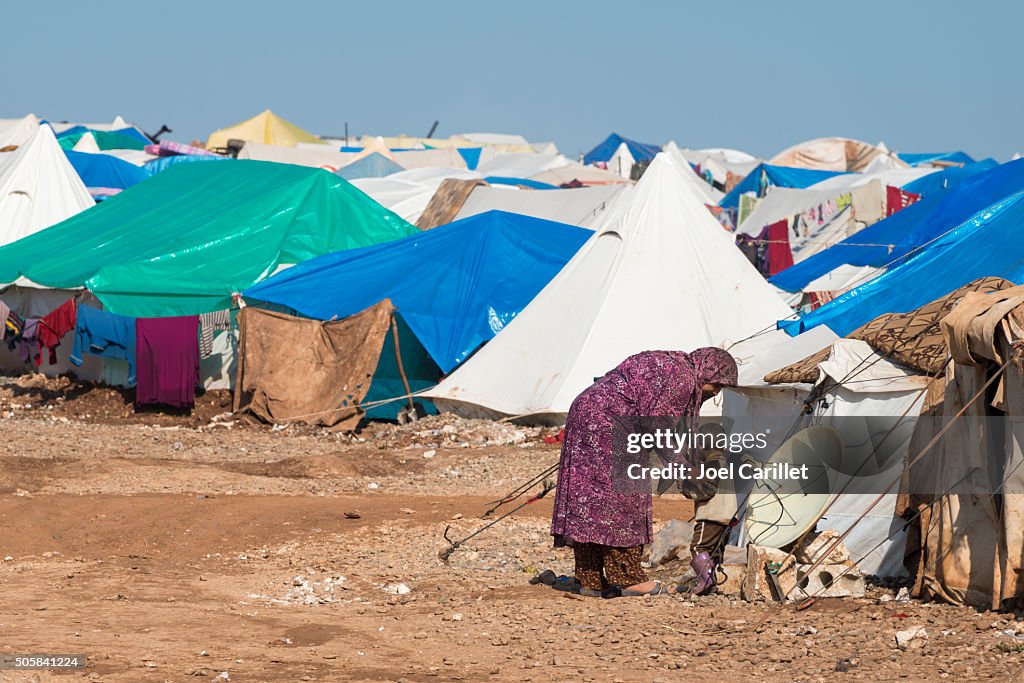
point(651, 383)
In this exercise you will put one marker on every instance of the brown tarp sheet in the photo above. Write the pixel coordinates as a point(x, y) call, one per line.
point(829, 154)
point(971, 527)
point(298, 370)
point(913, 339)
point(446, 202)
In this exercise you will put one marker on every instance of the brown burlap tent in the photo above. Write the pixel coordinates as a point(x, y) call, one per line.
point(912, 339)
point(446, 202)
point(962, 489)
point(299, 370)
point(972, 526)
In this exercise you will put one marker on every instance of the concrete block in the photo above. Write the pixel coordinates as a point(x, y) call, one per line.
point(757, 584)
point(798, 581)
point(829, 580)
point(733, 584)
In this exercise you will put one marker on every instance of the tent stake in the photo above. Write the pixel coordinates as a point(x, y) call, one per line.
point(398, 359)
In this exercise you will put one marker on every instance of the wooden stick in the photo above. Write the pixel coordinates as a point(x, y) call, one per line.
point(398, 359)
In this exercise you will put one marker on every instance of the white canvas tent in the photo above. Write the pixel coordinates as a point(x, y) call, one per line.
point(325, 157)
point(707, 194)
point(719, 161)
point(865, 206)
point(38, 187)
point(492, 138)
point(583, 206)
point(17, 131)
point(897, 177)
point(661, 273)
point(587, 175)
point(407, 193)
point(521, 165)
point(117, 124)
point(621, 161)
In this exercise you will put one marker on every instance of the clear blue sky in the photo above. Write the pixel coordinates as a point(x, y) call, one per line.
point(758, 76)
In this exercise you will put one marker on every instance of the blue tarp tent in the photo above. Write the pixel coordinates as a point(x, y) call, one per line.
point(603, 152)
point(906, 230)
point(991, 243)
point(371, 166)
point(947, 178)
point(525, 182)
point(764, 176)
point(471, 155)
point(455, 286)
point(942, 157)
point(104, 170)
point(160, 164)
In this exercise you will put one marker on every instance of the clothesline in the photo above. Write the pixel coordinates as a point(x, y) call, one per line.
point(890, 247)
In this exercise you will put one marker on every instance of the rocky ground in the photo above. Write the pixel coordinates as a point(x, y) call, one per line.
point(202, 547)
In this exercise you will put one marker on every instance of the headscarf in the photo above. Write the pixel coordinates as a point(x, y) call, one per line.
point(711, 366)
point(714, 366)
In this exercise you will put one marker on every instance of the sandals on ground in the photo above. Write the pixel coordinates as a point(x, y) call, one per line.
point(659, 589)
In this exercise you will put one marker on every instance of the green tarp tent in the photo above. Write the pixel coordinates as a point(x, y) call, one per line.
point(185, 240)
point(104, 140)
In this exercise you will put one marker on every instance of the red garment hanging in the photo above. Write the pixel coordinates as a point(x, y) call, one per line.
point(780, 256)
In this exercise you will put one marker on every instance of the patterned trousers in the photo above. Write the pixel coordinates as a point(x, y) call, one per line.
point(599, 566)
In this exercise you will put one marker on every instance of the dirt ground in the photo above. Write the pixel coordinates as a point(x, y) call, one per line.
point(192, 548)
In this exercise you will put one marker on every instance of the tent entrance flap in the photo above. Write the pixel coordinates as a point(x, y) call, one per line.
point(299, 370)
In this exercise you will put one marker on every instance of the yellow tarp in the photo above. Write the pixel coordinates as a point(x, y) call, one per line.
point(266, 127)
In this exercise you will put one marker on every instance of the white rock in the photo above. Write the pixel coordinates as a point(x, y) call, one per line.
point(373, 485)
point(903, 638)
point(814, 548)
point(397, 589)
point(670, 540)
point(429, 454)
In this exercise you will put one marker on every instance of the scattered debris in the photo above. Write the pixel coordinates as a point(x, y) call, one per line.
point(435, 431)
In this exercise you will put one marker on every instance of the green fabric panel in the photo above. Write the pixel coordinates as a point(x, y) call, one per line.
point(69, 141)
point(420, 370)
point(108, 140)
point(183, 241)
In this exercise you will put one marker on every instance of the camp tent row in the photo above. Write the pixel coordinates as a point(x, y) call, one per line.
point(622, 293)
point(656, 271)
point(905, 232)
point(172, 246)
